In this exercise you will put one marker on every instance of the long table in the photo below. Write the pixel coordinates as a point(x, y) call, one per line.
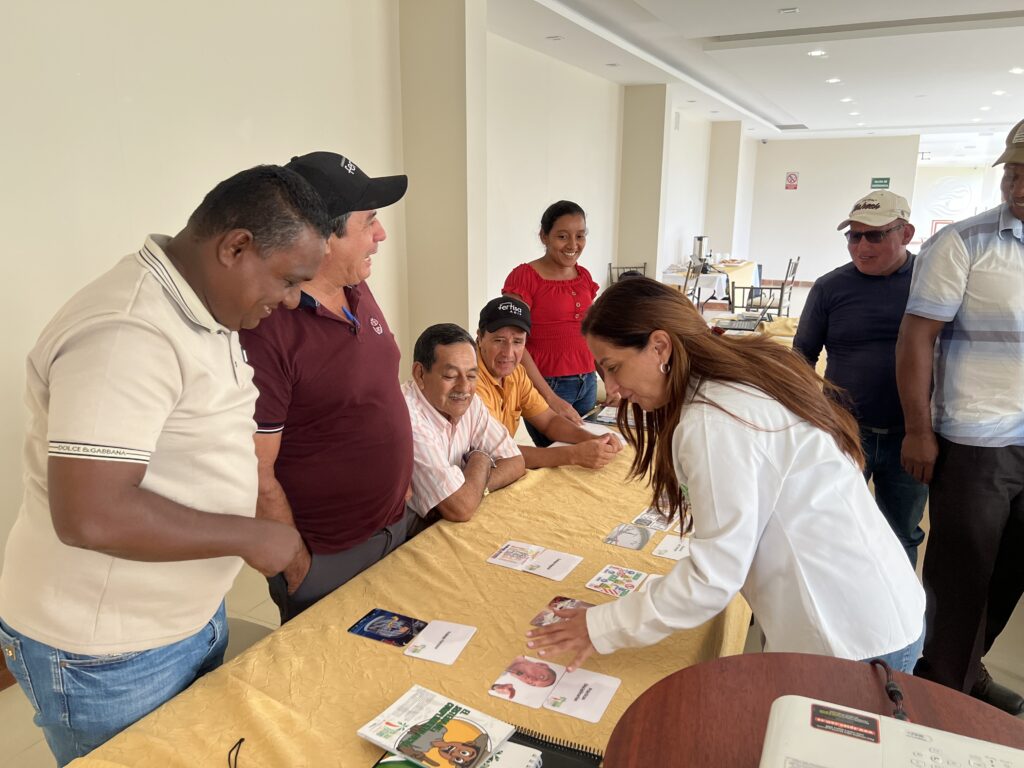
point(298, 696)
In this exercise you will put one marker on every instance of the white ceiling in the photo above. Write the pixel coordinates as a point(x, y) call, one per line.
point(912, 66)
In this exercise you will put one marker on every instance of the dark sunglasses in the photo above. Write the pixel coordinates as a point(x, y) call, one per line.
point(872, 235)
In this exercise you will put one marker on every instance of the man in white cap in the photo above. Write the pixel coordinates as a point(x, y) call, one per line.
point(854, 312)
point(966, 438)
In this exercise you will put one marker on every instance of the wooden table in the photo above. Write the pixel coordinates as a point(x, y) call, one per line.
point(298, 696)
point(715, 714)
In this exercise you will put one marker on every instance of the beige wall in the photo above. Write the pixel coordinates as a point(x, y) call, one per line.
point(553, 133)
point(834, 173)
point(119, 117)
point(951, 193)
point(685, 188)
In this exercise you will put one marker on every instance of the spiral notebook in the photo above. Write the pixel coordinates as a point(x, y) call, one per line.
point(557, 753)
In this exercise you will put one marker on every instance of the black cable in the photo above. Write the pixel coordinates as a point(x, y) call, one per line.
point(892, 690)
point(236, 750)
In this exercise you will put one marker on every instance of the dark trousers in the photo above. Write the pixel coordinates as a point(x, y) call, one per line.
point(974, 567)
point(579, 390)
point(328, 572)
point(900, 497)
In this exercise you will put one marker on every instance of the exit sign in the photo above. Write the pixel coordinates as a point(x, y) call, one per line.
point(879, 182)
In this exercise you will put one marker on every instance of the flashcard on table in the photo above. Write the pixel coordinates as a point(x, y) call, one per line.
point(549, 563)
point(655, 520)
point(535, 683)
point(616, 581)
point(547, 616)
point(583, 694)
point(441, 641)
point(388, 627)
point(629, 536)
point(673, 546)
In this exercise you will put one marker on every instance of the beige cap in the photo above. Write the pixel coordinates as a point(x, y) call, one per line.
point(1014, 152)
point(878, 208)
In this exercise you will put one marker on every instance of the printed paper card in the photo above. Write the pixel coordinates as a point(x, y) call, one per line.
point(583, 694)
point(388, 627)
point(432, 730)
point(616, 581)
point(535, 683)
point(673, 546)
point(653, 519)
point(549, 563)
point(560, 602)
point(629, 536)
point(441, 641)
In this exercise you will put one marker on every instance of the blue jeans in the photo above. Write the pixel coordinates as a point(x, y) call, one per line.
point(900, 497)
point(904, 659)
point(579, 390)
point(82, 701)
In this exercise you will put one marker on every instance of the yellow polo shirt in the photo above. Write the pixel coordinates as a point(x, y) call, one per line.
point(511, 399)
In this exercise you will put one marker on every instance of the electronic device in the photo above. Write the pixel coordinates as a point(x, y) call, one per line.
point(745, 323)
point(808, 733)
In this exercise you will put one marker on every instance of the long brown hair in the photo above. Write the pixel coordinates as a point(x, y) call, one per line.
point(628, 312)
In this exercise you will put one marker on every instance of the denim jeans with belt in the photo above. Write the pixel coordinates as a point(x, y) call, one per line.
point(579, 390)
point(900, 497)
point(904, 659)
point(82, 701)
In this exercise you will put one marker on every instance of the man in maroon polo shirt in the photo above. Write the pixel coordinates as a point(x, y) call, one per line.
point(334, 441)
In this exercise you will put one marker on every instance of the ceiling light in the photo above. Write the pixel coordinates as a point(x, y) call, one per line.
point(554, 38)
point(998, 93)
point(970, 146)
point(833, 80)
point(854, 114)
point(847, 100)
point(975, 119)
point(817, 52)
point(984, 109)
point(691, 101)
point(612, 64)
point(861, 125)
point(714, 111)
point(1017, 71)
point(789, 10)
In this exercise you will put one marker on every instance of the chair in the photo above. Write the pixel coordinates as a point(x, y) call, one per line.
point(777, 299)
point(615, 273)
point(690, 287)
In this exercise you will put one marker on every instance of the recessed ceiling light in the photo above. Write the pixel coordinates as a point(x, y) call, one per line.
point(871, 133)
point(714, 111)
point(854, 114)
point(998, 93)
point(691, 101)
point(612, 64)
point(847, 100)
point(833, 80)
point(970, 146)
point(975, 119)
point(817, 52)
point(1017, 71)
point(984, 109)
point(554, 37)
point(789, 10)
point(861, 125)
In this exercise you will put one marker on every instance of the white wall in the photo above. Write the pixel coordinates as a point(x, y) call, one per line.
point(120, 116)
point(834, 173)
point(685, 187)
point(553, 133)
point(745, 180)
point(943, 194)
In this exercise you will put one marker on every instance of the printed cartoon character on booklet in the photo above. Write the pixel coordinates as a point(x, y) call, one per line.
point(458, 743)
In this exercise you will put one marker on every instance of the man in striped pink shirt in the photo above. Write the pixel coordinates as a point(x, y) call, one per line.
point(460, 452)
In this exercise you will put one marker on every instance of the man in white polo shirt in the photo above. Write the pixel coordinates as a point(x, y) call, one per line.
point(140, 478)
point(967, 436)
point(460, 452)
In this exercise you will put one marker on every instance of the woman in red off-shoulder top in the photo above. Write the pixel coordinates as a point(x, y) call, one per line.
point(558, 291)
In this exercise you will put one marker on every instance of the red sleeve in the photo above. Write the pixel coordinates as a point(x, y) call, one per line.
point(520, 282)
point(271, 365)
point(594, 287)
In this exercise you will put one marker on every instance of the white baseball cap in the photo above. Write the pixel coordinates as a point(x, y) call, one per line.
point(878, 208)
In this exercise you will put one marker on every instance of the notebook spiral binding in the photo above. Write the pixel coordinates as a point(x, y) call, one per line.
point(586, 755)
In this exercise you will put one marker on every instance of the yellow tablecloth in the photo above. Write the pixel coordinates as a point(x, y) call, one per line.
point(298, 696)
point(739, 274)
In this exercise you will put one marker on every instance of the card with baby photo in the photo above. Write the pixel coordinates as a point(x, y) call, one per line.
point(547, 616)
point(514, 554)
point(527, 681)
point(583, 694)
point(655, 520)
point(616, 581)
point(629, 536)
point(673, 546)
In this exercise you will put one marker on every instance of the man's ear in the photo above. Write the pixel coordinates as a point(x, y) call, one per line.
point(908, 233)
point(232, 246)
point(417, 374)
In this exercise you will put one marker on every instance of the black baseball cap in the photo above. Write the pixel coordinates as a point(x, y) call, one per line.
point(503, 312)
point(343, 186)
